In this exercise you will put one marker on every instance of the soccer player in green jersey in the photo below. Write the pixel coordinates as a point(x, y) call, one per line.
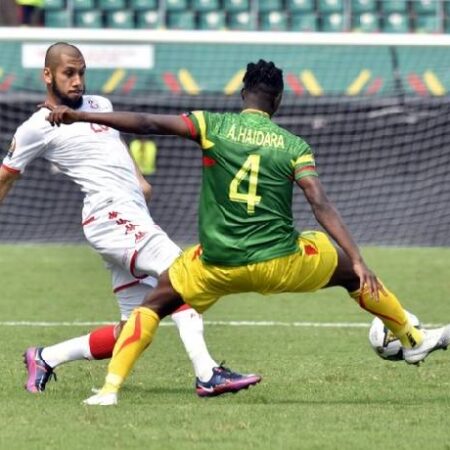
point(248, 241)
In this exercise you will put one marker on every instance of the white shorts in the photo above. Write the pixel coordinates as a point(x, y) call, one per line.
point(135, 249)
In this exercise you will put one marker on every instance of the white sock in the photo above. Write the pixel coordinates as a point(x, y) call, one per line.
point(190, 327)
point(71, 350)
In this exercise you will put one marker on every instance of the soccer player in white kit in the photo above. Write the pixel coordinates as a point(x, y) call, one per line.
point(115, 219)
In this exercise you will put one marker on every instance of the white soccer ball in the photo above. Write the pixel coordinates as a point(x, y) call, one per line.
point(384, 343)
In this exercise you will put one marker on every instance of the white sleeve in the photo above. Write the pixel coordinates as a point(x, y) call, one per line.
point(28, 143)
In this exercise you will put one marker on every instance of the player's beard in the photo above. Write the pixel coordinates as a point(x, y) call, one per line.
point(64, 99)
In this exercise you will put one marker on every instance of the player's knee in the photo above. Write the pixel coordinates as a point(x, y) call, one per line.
point(344, 274)
point(163, 300)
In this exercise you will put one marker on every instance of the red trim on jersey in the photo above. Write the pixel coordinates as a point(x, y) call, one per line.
point(304, 169)
point(208, 161)
point(125, 286)
point(190, 125)
point(133, 267)
point(88, 221)
point(10, 169)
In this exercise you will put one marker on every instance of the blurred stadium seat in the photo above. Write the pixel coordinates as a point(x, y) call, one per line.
point(205, 5)
point(270, 6)
point(83, 5)
point(176, 5)
point(58, 18)
point(236, 5)
point(396, 22)
point(273, 21)
point(120, 19)
point(148, 19)
point(300, 6)
point(427, 23)
point(331, 6)
point(88, 19)
point(144, 5)
point(304, 22)
point(240, 21)
point(181, 20)
point(426, 6)
point(390, 16)
point(363, 6)
point(333, 22)
point(212, 20)
point(54, 4)
point(365, 22)
point(394, 6)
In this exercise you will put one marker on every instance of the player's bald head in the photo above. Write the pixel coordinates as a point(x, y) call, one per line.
point(54, 52)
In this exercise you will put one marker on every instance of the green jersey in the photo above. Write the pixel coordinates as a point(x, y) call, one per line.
point(249, 166)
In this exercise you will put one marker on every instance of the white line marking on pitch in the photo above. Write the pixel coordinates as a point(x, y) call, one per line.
point(231, 323)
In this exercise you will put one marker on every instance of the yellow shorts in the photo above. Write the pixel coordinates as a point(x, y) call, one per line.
point(308, 269)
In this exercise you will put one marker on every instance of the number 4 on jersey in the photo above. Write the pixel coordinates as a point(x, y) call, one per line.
point(250, 168)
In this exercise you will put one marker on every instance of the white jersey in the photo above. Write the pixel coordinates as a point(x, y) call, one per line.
point(92, 155)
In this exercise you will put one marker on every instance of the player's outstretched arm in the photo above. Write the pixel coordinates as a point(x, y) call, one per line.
point(127, 122)
point(7, 179)
point(330, 219)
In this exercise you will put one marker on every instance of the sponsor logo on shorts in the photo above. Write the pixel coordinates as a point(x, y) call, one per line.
point(138, 236)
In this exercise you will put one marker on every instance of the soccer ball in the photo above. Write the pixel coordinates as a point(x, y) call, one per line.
point(384, 343)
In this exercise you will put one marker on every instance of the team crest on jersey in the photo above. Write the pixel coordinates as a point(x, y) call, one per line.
point(12, 147)
point(93, 104)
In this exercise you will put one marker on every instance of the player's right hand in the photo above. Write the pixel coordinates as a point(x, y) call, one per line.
point(60, 114)
point(368, 279)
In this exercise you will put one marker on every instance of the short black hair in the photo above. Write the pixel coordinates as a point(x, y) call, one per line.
point(263, 76)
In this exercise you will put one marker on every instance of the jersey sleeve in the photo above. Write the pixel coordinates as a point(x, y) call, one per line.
point(99, 104)
point(198, 124)
point(304, 165)
point(106, 105)
point(27, 144)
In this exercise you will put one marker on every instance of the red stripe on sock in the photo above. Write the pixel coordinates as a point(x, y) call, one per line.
point(136, 333)
point(381, 316)
point(102, 341)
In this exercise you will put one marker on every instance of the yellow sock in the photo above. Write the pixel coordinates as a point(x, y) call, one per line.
point(136, 336)
point(390, 311)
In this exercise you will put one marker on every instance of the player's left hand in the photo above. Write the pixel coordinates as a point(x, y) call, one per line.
point(368, 279)
point(60, 114)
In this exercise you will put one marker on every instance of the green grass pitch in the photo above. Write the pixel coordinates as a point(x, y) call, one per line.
point(322, 388)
